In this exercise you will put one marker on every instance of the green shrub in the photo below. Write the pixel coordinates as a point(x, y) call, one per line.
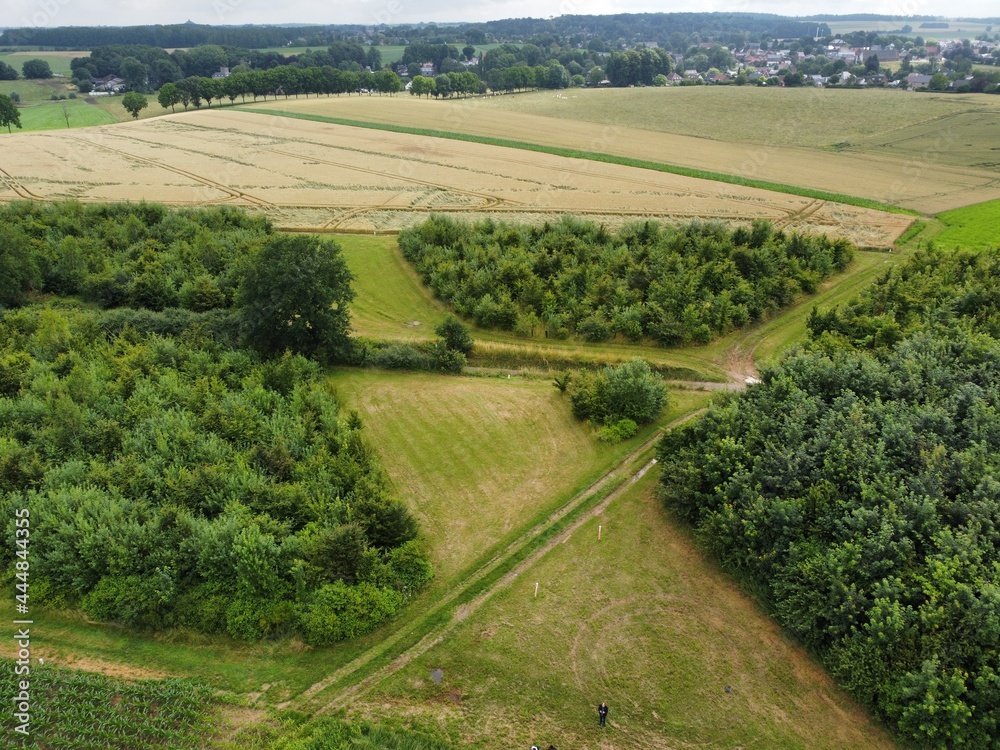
point(630, 391)
point(338, 612)
point(618, 431)
point(456, 336)
point(139, 601)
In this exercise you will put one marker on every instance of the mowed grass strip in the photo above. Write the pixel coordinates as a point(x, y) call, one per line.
point(443, 610)
point(476, 458)
point(974, 226)
point(391, 302)
point(642, 621)
point(598, 157)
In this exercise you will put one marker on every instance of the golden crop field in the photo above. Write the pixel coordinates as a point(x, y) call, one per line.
point(322, 177)
point(858, 143)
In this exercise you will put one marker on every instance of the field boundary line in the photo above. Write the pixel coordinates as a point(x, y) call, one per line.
point(571, 153)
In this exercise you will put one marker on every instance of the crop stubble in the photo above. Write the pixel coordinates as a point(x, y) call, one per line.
point(316, 176)
point(781, 137)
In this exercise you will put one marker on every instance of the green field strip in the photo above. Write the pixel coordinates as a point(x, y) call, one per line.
point(571, 153)
point(975, 226)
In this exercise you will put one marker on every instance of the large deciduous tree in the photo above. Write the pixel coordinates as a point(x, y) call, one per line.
point(293, 295)
point(9, 115)
point(169, 96)
point(134, 102)
point(36, 69)
point(135, 73)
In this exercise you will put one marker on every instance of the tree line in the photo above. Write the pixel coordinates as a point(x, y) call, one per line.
point(671, 30)
point(191, 465)
point(673, 285)
point(857, 488)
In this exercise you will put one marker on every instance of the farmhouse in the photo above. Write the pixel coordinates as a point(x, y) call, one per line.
point(111, 84)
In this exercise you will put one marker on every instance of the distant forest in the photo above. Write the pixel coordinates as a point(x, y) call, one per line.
point(630, 28)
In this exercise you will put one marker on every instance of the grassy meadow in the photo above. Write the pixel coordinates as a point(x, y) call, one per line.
point(52, 115)
point(58, 60)
point(391, 302)
point(641, 620)
point(477, 458)
point(973, 226)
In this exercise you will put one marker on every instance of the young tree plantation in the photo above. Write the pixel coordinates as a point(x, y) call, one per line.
point(173, 476)
point(670, 284)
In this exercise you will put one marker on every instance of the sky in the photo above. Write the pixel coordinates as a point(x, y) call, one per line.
point(371, 12)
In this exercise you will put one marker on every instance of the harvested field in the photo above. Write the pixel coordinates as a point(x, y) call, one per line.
point(322, 177)
point(741, 135)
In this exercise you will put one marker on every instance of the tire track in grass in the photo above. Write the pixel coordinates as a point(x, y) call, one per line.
point(463, 600)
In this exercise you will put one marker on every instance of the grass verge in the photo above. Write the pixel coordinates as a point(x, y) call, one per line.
point(702, 174)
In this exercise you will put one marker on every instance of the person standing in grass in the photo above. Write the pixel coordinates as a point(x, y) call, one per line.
point(602, 713)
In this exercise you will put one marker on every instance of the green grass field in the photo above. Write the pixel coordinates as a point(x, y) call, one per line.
point(477, 458)
point(29, 91)
point(391, 302)
point(51, 116)
point(58, 61)
point(642, 621)
point(973, 226)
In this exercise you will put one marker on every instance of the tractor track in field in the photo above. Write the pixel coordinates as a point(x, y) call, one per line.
point(628, 470)
point(231, 192)
point(20, 190)
point(489, 200)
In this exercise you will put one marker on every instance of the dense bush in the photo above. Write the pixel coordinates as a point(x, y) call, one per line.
point(858, 488)
point(670, 284)
point(156, 468)
point(128, 255)
point(620, 397)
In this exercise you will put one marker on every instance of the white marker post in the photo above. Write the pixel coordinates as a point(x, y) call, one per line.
point(598, 533)
point(536, 589)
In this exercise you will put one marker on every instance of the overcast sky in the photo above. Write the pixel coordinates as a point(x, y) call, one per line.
point(134, 12)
